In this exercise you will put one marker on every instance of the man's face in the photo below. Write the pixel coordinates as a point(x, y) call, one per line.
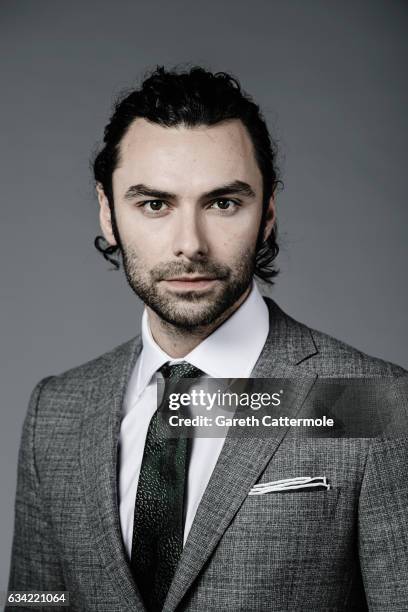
point(188, 207)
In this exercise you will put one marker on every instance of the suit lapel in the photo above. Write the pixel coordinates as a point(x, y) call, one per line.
point(99, 467)
point(242, 460)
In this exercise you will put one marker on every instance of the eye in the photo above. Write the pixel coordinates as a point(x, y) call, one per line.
point(224, 204)
point(154, 206)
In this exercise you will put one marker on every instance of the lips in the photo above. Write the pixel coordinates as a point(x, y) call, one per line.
point(191, 283)
point(191, 279)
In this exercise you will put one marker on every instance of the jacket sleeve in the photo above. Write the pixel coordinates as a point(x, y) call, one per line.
point(35, 564)
point(383, 525)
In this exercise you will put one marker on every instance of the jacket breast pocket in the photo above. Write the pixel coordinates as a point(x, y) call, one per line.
point(288, 506)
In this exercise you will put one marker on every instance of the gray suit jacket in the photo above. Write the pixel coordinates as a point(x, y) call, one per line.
point(341, 549)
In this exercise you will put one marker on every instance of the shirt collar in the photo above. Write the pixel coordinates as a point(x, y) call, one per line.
point(231, 351)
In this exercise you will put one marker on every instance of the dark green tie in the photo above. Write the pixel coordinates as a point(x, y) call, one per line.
point(159, 508)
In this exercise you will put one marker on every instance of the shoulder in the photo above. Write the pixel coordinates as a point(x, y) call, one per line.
point(57, 403)
point(76, 381)
point(337, 358)
point(320, 353)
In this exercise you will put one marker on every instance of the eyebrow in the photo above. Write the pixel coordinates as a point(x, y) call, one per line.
point(234, 188)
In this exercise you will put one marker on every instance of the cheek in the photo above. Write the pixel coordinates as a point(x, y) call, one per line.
point(139, 237)
point(234, 235)
point(142, 254)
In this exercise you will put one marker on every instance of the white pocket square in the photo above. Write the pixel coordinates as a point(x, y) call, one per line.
point(290, 484)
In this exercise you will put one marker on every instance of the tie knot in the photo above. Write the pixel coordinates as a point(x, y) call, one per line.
point(180, 370)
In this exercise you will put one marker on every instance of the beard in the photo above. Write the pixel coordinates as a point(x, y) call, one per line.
point(189, 310)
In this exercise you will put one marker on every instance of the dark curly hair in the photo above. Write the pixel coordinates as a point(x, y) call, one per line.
point(191, 98)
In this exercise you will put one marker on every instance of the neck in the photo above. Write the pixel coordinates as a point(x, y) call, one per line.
point(178, 342)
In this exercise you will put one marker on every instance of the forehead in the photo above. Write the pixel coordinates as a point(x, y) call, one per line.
point(183, 158)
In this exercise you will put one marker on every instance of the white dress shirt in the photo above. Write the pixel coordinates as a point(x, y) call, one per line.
point(231, 351)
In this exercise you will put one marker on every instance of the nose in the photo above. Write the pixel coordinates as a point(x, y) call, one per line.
point(189, 237)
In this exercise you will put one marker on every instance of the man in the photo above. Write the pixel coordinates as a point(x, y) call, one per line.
point(124, 519)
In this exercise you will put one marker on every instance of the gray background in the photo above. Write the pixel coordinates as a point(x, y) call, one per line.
point(331, 78)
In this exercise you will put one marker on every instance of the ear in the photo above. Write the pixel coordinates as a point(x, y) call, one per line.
point(270, 218)
point(105, 218)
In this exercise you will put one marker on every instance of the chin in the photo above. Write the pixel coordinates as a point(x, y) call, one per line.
point(190, 318)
